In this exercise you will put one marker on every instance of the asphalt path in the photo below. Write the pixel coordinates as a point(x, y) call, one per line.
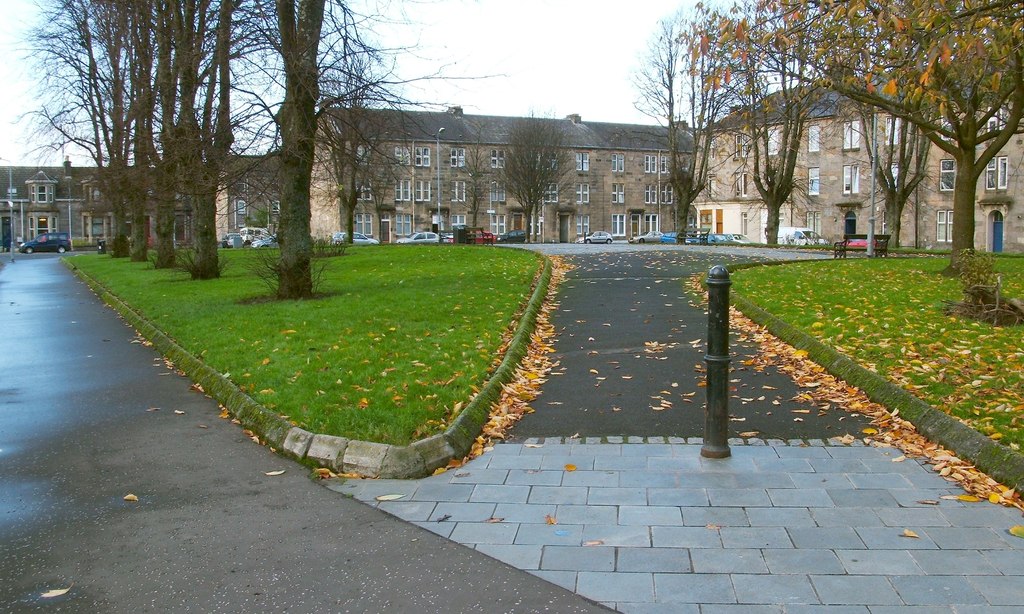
point(88, 415)
point(630, 352)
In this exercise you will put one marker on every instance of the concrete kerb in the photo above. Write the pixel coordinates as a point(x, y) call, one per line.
point(338, 454)
point(997, 460)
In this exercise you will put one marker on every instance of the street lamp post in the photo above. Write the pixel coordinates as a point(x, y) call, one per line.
point(439, 131)
point(70, 224)
point(10, 208)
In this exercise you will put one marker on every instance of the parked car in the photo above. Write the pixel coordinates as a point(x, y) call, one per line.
point(741, 239)
point(59, 242)
point(448, 237)
point(419, 237)
point(358, 238)
point(668, 237)
point(231, 239)
point(651, 236)
point(599, 236)
point(250, 234)
point(696, 236)
point(513, 236)
point(270, 241)
point(789, 235)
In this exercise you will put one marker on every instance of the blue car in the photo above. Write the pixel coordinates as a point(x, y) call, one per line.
point(668, 237)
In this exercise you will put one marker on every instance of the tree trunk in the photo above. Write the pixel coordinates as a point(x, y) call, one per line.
point(963, 209)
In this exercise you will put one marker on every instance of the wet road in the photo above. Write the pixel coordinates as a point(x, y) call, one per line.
point(88, 415)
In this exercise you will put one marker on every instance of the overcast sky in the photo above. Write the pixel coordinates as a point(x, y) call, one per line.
point(545, 57)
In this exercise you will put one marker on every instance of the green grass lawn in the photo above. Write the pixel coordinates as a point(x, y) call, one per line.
point(887, 315)
point(402, 338)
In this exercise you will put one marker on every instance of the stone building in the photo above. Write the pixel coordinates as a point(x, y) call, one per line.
point(833, 193)
point(430, 164)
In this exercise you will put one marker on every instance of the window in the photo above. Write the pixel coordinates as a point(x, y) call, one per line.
point(240, 211)
point(997, 121)
point(41, 193)
point(650, 163)
point(774, 138)
point(894, 169)
point(458, 191)
point(497, 158)
point(851, 179)
point(423, 190)
point(851, 134)
point(650, 194)
point(423, 156)
point(551, 194)
point(618, 163)
point(742, 149)
point(813, 181)
point(618, 193)
point(813, 138)
point(744, 224)
point(619, 224)
point(582, 162)
point(893, 127)
point(403, 190)
point(458, 157)
point(651, 222)
point(364, 223)
point(582, 193)
point(497, 192)
point(582, 224)
point(944, 226)
point(741, 185)
point(365, 193)
point(458, 220)
point(995, 174)
point(402, 156)
point(947, 175)
point(403, 224)
point(814, 221)
point(664, 165)
point(666, 194)
point(498, 224)
point(712, 185)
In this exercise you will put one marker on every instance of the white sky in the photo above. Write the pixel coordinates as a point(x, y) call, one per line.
point(545, 57)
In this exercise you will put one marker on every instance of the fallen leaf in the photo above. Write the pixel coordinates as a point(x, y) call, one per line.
point(909, 533)
point(1017, 530)
point(130, 497)
point(389, 497)
point(570, 467)
point(968, 498)
point(548, 518)
point(57, 592)
point(712, 527)
point(870, 431)
point(598, 542)
point(273, 473)
point(533, 445)
point(995, 498)
point(443, 518)
point(493, 520)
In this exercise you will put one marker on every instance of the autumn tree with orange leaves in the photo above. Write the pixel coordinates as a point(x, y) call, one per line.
point(953, 69)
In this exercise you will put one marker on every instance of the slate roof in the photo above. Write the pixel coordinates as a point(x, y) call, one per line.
point(56, 175)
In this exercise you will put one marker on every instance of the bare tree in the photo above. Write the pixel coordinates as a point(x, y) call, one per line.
point(684, 84)
point(771, 67)
point(536, 162)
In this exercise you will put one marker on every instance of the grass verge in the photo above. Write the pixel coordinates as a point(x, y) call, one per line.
point(887, 315)
point(400, 340)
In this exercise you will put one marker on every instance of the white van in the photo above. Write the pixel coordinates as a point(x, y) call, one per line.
point(250, 234)
point(793, 235)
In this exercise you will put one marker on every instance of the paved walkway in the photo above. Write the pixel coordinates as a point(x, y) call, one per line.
point(644, 524)
point(799, 527)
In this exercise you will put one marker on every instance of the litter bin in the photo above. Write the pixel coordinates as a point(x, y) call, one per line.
point(101, 246)
point(460, 237)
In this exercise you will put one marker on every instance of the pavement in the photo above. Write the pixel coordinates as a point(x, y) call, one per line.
point(617, 507)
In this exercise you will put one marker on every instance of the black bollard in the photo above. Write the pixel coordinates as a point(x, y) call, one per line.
point(716, 413)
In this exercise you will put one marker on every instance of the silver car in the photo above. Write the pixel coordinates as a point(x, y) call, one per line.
point(358, 238)
point(596, 237)
point(420, 237)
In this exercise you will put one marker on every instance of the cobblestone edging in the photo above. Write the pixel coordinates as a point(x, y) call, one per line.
point(997, 460)
point(733, 441)
point(339, 454)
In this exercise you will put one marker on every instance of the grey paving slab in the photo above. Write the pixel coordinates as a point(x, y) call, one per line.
point(865, 590)
point(774, 589)
point(936, 590)
point(879, 562)
point(694, 588)
point(663, 560)
point(733, 560)
point(762, 532)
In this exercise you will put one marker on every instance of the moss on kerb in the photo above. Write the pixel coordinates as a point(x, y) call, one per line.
point(415, 460)
point(997, 460)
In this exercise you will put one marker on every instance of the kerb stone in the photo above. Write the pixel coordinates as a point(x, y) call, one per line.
point(327, 451)
point(297, 442)
point(364, 458)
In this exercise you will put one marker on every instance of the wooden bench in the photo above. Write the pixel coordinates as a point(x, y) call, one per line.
point(479, 236)
point(859, 243)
